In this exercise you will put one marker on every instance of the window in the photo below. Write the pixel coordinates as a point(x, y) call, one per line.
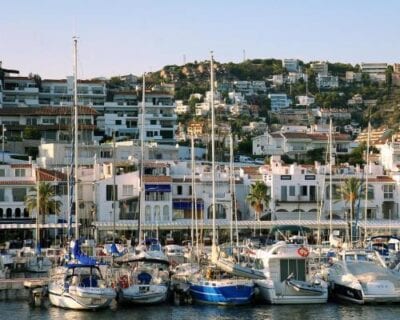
point(19, 194)
point(388, 191)
point(292, 191)
point(49, 120)
point(20, 172)
point(303, 190)
point(118, 122)
point(179, 190)
point(109, 192)
point(127, 190)
point(8, 213)
point(2, 197)
point(165, 213)
point(147, 213)
point(31, 121)
point(190, 190)
point(2, 172)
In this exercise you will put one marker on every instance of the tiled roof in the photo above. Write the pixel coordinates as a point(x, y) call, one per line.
point(16, 182)
point(20, 165)
point(51, 175)
point(162, 179)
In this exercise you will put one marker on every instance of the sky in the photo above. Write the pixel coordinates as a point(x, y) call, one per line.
point(118, 37)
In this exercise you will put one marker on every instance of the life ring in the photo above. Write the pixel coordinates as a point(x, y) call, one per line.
point(303, 252)
point(123, 282)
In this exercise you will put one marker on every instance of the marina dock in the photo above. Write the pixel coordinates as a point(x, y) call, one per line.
point(20, 288)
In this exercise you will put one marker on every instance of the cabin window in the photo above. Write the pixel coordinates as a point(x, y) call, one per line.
point(297, 267)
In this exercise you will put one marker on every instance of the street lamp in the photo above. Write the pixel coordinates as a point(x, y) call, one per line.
point(3, 129)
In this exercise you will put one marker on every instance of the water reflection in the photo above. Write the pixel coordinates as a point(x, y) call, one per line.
point(19, 310)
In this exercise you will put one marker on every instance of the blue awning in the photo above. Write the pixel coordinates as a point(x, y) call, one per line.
point(157, 187)
point(186, 205)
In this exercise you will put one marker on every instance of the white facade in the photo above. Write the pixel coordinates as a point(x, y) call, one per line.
point(291, 65)
point(320, 68)
point(279, 101)
point(375, 71)
point(181, 108)
point(327, 82)
point(305, 100)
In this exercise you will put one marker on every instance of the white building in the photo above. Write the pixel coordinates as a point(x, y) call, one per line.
point(291, 65)
point(181, 108)
point(305, 100)
point(375, 71)
point(279, 101)
point(327, 82)
point(320, 68)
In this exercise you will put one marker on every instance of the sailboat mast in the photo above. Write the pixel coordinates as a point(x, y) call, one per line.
point(366, 183)
point(37, 209)
point(214, 239)
point(193, 204)
point(231, 182)
point(141, 188)
point(76, 137)
point(330, 177)
point(114, 187)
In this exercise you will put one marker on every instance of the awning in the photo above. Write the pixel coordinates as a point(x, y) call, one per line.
point(157, 187)
point(10, 226)
point(186, 205)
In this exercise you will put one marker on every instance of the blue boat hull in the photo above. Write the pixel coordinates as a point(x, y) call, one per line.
point(214, 293)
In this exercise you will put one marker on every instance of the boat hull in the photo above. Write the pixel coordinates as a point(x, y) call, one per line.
point(214, 292)
point(71, 301)
point(290, 294)
point(143, 294)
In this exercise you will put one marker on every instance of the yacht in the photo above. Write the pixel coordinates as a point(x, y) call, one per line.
point(361, 276)
point(290, 275)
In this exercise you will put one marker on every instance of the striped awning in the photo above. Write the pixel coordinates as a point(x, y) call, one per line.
point(11, 226)
point(221, 224)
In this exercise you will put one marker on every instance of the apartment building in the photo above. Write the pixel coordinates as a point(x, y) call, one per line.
point(375, 71)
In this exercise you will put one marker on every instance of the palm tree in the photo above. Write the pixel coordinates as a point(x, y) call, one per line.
point(258, 198)
point(47, 200)
point(350, 191)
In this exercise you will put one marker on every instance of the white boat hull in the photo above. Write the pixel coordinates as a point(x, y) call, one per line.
point(64, 299)
point(289, 295)
point(143, 294)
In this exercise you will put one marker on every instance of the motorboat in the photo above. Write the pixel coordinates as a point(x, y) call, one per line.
point(291, 277)
point(361, 276)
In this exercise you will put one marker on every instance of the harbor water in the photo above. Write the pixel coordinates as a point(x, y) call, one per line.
point(21, 310)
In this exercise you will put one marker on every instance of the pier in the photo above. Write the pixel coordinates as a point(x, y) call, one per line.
point(20, 288)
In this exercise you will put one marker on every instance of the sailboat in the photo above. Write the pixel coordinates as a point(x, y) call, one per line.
point(79, 284)
point(142, 276)
point(211, 284)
